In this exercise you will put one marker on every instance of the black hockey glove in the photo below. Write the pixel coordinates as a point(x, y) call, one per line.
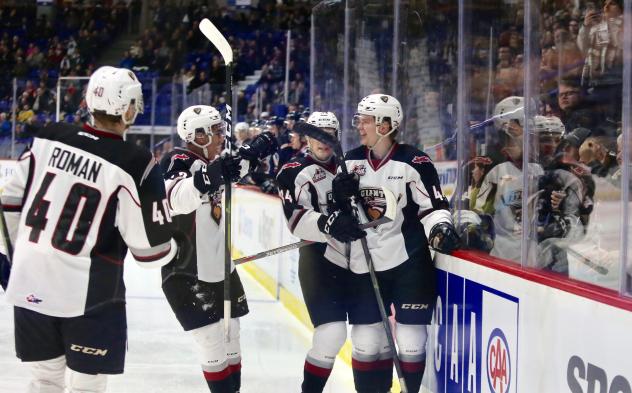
point(5, 271)
point(269, 186)
point(344, 187)
point(475, 237)
point(230, 167)
point(262, 146)
point(557, 227)
point(341, 226)
point(443, 238)
point(208, 179)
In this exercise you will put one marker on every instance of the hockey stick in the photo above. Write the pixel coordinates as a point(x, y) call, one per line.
point(328, 139)
point(219, 41)
point(583, 259)
point(292, 246)
point(5, 235)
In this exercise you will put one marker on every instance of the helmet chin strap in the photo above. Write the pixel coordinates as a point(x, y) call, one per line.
point(381, 136)
point(203, 147)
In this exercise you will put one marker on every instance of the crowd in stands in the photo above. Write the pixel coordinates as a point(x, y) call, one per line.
point(174, 48)
point(575, 130)
point(37, 50)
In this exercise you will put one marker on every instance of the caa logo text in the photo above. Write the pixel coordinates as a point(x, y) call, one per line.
point(498, 362)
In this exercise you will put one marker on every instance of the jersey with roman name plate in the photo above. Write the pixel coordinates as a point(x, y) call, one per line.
point(199, 216)
point(305, 191)
point(411, 176)
point(78, 199)
point(500, 195)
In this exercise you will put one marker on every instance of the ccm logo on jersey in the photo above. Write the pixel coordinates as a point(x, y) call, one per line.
point(421, 159)
point(88, 350)
point(414, 306)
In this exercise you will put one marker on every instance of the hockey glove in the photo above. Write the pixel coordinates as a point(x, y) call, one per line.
point(344, 187)
point(341, 226)
point(5, 271)
point(208, 179)
point(262, 146)
point(443, 238)
point(269, 186)
point(230, 167)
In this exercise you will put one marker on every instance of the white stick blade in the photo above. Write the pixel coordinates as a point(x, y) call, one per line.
point(391, 203)
point(213, 34)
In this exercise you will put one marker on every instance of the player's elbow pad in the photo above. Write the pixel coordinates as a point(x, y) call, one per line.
point(157, 256)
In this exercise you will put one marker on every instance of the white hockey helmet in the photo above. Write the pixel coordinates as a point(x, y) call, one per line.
point(382, 106)
point(550, 125)
point(199, 118)
point(242, 127)
point(510, 108)
point(324, 120)
point(112, 90)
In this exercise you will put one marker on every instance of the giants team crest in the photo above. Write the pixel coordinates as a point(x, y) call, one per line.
point(360, 169)
point(374, 202)
point(319, 175)
point(216, 207)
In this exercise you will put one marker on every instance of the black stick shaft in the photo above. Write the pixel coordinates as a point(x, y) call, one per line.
point(228, 204)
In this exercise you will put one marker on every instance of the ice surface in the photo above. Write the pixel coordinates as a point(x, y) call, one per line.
point(161, 356)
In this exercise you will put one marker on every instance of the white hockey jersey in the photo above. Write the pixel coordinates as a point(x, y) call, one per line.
point(305, 191)
point(503, 185)
point(78, 199)
point(199, 216)
point(412, 177)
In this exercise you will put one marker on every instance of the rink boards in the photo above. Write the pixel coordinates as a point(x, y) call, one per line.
point(497, 328)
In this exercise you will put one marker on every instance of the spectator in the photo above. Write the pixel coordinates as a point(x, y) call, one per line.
point(25, 114)
point(5, 125)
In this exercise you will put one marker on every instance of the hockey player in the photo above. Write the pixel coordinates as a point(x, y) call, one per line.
point(79, 199)
point(194, 284)
point(500, 194)
point(305, 190)
point(400, 249)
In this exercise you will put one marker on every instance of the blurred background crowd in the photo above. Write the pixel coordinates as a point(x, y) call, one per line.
point(569, 120)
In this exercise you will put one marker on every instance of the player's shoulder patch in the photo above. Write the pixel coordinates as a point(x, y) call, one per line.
point(177, 159)
point(294, 164)
point(420, 159)
point(411, 155)
point(290, 170)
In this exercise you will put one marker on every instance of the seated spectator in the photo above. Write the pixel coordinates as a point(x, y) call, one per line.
point(25, 114)
point(5, 125)
point(574, 109)
point(127, 62)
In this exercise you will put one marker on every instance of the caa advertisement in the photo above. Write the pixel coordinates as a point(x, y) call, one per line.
point(494, 332)
point(474, 337)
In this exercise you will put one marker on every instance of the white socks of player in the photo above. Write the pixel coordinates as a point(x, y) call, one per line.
point(49, 375)
point(327, 341)
point(85, 383)
point(221, 362)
